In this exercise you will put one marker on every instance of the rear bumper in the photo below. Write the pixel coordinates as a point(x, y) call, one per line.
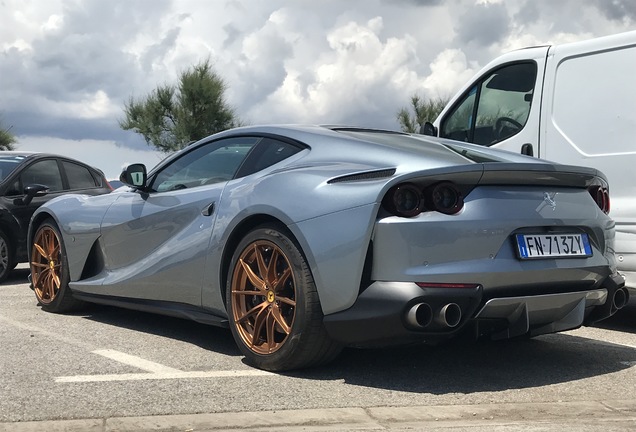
point(389, 313)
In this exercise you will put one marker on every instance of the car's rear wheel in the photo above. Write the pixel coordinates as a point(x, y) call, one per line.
point(49, 270)
point(273, 306)
point(6, 256)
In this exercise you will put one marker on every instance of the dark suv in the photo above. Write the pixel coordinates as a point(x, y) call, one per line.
point(28, 180)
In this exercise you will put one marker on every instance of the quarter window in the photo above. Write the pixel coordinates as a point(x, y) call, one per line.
point(79, 177)
point(268, 152)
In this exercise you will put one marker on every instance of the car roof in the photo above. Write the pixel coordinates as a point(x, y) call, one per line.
point(12, 154)
point(22, 156)
point(378, 146)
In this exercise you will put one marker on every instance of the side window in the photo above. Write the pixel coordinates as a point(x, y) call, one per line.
point(268, 152)
point(214, 162)
point(500, 105)
point(44, 172)
point(79, 177)
point(458, 124)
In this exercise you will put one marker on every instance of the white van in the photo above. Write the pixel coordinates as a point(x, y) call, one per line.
point(574, 104)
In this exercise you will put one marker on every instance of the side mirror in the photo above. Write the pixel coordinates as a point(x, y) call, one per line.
point(428, 129)
point(134, 175)
point(31, 191)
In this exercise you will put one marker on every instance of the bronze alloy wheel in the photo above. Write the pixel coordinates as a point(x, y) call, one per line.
point(46, 265)
point(263, 297)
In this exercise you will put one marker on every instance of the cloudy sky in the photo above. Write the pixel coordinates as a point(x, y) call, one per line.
point(68, 66)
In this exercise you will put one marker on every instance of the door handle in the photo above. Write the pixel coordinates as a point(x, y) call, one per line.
point(207, 211)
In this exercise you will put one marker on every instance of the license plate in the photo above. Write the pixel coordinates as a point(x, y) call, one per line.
point(553, 245)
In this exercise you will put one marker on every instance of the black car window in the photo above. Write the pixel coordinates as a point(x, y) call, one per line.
point(45, 172)
point(268, 152)
point(79, 177)
point(210, 163)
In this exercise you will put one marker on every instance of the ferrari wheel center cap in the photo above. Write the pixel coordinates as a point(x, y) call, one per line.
point(51, 265)
point(271, 296)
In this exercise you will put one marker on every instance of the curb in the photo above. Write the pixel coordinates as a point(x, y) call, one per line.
point(585, 415)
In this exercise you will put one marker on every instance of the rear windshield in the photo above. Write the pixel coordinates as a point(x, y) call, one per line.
point(8, 164)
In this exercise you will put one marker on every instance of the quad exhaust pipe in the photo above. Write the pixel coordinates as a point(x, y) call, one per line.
point(449, 315)
point(620, 299)
point(421, 315)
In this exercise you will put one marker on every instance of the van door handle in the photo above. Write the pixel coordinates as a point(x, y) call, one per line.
point(208, 210)
point(527, 149)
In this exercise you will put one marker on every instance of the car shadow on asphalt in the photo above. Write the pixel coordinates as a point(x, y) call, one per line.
point(624, 320)
point(208, 337)
point(454, 367)
point(205, 336)
point(471, 367)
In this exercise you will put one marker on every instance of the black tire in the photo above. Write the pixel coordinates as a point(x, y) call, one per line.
point(49, 270)
point(272, 333)
point(7, 260)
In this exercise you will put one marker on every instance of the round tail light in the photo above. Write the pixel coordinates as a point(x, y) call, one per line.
point(445, 198)
point(404, 200)
point(600, 195)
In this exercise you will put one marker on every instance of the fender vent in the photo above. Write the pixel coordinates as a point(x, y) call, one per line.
point(367, 175)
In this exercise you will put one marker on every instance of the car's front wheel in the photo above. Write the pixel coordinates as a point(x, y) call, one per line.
point(6, 256)
point(49, 270)
point(273, 306)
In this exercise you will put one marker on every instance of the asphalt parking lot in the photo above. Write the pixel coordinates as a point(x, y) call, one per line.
point(114, 369)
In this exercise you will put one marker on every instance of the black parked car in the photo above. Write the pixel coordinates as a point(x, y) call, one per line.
point(28, 180)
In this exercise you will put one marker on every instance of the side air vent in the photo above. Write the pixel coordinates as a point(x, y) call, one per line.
point(367, 175)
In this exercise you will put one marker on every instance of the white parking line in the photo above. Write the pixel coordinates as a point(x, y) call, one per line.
point(156, 371)
point(162, 376)
point(135, 361)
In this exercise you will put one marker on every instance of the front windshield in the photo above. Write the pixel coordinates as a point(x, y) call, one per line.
point(8, 164)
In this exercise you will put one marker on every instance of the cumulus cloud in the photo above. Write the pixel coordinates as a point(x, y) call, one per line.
point(483, 24)
point(449, 71)
point(261, 63)
point(68, 66)
point(619, 10)
point(353, 81)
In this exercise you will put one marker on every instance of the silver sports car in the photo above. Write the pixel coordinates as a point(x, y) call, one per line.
point(305, 239)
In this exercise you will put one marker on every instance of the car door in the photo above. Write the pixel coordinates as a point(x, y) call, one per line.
point(498, 109)
point(155, 242)
point(45, 172)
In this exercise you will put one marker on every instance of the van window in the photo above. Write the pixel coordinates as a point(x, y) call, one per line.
point(499, 103)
